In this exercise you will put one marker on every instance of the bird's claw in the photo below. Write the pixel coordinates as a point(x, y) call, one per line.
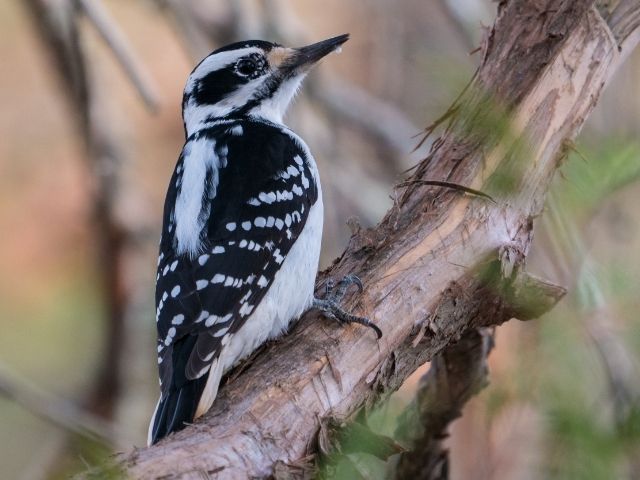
point(330, 305)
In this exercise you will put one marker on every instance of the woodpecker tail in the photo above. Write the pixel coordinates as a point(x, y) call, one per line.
point(175, 410)
point(181, 406)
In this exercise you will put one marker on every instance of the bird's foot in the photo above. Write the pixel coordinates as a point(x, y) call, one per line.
point(330, 304)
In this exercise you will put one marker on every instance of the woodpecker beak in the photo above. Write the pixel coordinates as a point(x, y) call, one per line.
point(298, 60)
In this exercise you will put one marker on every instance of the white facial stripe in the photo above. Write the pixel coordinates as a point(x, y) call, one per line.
point(217, 62)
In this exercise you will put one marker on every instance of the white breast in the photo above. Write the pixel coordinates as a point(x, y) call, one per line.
point(289, 296)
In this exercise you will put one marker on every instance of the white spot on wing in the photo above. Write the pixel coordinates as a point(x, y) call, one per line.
point(246, 296)
point(175, 291)
point(267, 198)
point(245, 310)
point(221, 332)
point(203, 371)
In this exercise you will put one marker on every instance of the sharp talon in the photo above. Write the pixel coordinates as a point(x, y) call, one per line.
point(358, 282)
point(376, 329)
point(364, 322)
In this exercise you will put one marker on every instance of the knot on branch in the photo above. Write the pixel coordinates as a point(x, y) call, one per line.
point(494, 292)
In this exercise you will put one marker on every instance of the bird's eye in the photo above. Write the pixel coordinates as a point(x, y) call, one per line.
point(246, 67)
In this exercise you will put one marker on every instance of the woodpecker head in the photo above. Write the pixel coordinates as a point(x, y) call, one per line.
point(249, 78)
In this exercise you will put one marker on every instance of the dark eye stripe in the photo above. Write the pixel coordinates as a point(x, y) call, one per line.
point(216, 85)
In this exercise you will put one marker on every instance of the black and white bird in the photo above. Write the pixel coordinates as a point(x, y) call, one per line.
point(242, 225)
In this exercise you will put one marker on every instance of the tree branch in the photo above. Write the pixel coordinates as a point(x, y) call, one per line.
point(456, 374)
point(439, 263)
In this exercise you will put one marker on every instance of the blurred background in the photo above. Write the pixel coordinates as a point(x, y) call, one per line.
point(90, 130)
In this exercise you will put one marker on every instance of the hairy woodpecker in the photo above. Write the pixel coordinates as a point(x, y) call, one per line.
point(242, 225)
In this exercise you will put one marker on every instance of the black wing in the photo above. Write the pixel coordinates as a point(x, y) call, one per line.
point(264, 193)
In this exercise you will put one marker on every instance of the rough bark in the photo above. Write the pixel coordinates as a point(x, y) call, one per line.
point(439, 263)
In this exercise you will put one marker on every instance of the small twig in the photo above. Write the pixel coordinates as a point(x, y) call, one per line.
point(448, 115)
point(451, 185)
point(116, 41)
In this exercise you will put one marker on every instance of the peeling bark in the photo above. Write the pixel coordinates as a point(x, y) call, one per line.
point(439, 264)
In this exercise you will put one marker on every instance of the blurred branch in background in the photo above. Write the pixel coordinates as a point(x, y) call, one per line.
point(575, 265)
point(115, 39)
point(58, 23)
point(58, 411)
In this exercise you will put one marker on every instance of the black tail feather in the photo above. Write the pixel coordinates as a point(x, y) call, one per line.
point(177, 409)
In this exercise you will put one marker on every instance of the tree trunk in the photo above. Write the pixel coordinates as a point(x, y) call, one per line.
point(440, 262)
